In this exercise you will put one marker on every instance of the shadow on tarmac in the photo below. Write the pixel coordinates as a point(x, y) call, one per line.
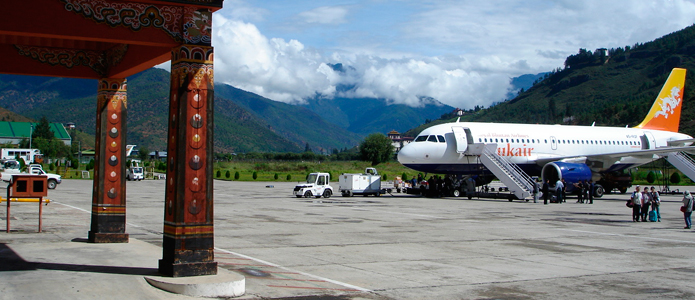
point(11, 261)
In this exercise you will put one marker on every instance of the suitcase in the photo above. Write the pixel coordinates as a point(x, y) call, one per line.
point(652, 216)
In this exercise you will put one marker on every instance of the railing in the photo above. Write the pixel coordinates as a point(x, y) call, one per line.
point(683, 162)
point(512, 170)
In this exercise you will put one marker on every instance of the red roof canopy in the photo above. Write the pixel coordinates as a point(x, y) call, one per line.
point(96, 38)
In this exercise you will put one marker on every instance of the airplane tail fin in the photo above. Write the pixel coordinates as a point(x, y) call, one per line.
point(666, 111)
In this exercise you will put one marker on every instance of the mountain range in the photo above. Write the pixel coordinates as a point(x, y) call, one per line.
point(244, 122)
point(613, 87)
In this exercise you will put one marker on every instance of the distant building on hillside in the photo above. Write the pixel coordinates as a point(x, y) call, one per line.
point(397, 141)
point(15, 132)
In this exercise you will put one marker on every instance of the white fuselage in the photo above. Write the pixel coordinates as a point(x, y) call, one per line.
point(526, 144)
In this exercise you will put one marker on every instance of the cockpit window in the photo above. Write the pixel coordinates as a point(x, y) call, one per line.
point(421, 138)
point(432, 138)
point(441, 139)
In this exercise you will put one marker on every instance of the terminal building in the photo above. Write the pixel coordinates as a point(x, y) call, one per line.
point(14, 132)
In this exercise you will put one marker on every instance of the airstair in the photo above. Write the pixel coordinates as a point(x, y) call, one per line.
point(683, 163)
point(509, 173)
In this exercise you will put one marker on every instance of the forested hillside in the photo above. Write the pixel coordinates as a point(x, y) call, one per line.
point(614, 87)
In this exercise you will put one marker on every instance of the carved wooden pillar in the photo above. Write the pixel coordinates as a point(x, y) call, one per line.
point(108, 195)
point(188, 244)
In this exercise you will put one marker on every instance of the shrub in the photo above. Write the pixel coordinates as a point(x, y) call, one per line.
point(651, 177)
point(404, 177)
point(289, 177)
point(52, 166)
point(236, 175)
point(218, 174)
point(227, 174)
point(675, 178)
point(254, 175)
point(276, 176)
point(384, 177)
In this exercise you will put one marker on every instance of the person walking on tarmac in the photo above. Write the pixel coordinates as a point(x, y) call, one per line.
point(646, 201)
point(564, 191)
point(687, 208)
point(591, 191)
point(656, 202)
point(636, 204)
point(546, 189)
point(580, 186)
point(559, 190)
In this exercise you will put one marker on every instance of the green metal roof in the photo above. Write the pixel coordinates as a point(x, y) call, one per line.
point(23, 129)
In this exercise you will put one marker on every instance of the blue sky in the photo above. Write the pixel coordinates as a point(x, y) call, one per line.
point(462, 53)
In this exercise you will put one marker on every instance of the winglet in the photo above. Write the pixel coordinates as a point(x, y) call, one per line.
point(666, 111)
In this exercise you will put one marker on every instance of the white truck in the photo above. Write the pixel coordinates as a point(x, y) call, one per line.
point(317, 185)
point(365, 184)
point(135, 171)
point(11, 167)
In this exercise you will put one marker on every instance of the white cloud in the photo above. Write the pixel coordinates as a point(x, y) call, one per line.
point(274, 68)
point(325, 15)
point(479, 45)
point(289, 72)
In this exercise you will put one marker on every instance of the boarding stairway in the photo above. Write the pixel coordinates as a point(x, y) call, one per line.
point(683, 163)
point(518, 182)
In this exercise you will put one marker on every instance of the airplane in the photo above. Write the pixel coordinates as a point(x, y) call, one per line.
point(554, 151)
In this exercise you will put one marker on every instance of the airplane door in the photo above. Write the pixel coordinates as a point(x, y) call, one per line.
point(461, 139)
point(648, 140)
point(553, 143)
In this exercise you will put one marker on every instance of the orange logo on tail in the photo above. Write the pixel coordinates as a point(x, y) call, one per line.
point(665, 114)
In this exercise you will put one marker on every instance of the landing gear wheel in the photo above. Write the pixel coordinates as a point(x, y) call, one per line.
point(598, 191)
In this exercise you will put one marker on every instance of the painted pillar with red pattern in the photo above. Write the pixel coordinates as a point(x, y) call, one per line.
point(108, 195)
point(188, 245)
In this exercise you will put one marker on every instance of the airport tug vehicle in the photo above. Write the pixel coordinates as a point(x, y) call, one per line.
point(317, 185)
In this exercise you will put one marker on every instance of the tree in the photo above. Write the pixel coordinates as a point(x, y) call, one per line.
point(675, 178)
point(43, 130)
point(651, 177)
point(376, 148)
point(144, 153)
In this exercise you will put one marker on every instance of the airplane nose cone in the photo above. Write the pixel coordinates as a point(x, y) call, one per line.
point(406, 155)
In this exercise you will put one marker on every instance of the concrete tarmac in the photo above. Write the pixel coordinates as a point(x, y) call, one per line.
point(388, 247)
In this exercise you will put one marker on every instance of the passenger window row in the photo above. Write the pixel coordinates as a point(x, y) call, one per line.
point(575, 142)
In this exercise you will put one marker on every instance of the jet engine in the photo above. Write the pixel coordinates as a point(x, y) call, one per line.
point(571, 173)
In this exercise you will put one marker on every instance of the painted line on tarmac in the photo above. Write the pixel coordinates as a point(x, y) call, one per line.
point(630, 236)
point(399, 213)
point(347, 285)
point(89, 212)
point(74, 207)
